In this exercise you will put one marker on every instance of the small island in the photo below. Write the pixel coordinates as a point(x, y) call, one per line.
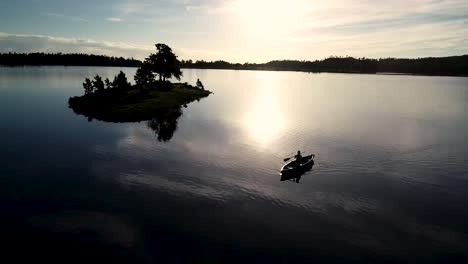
point(151, 97)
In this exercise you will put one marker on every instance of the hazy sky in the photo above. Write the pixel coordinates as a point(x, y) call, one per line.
point(238, 30)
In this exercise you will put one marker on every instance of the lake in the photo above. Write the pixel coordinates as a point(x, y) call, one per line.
point(389, 181)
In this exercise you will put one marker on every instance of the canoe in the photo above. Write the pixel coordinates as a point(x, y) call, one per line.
point(295, 167)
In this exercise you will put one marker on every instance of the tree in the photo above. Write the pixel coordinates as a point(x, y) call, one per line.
point(164, 63)
point(144, 74)
point(88, 86)
point(120, 81)
point(108, 84)
point(98, 83)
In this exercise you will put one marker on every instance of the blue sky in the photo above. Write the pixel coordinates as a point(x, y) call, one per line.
point(238, 30)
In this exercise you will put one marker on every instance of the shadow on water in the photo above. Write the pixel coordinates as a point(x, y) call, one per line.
point(294, 177)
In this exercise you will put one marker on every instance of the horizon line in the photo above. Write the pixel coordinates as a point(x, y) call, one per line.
point(220, 60)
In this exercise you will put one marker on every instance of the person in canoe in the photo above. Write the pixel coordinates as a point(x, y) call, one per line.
point(298, 157)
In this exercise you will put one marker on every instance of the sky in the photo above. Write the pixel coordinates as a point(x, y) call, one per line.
point(238, 30)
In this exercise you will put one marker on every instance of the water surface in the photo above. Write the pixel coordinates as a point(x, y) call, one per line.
point(389, 182)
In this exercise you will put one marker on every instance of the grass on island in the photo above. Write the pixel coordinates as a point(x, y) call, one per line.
point(137, 103)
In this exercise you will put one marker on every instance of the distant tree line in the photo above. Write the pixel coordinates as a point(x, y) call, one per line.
point(75, 59)
point(456, 65)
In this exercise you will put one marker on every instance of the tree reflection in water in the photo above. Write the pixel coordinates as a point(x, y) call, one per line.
point(164, 124)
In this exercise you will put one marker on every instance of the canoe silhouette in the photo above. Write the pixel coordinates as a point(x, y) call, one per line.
point(295, 168)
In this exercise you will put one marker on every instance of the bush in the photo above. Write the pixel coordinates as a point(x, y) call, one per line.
point(164, 86)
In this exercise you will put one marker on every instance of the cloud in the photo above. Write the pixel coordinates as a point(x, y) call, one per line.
point(262, 30)
point(163, 19)
point(115, 19)
point(205, 54)
point(410, 28)
point(164, 12)
point(365, 15)
point(52, 44)
point(317, 29)
point(132, 7)
point(145, 8)
point(73, 18)
point(40, 43)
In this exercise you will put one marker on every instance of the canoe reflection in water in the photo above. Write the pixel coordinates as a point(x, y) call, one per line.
point(293, 170)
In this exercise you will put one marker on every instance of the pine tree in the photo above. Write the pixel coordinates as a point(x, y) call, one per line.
point(88, 86)
point(98, 83)
point(120, 81)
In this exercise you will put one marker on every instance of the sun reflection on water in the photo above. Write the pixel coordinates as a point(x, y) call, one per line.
point(266, 120)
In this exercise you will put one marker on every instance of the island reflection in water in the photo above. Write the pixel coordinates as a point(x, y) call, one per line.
point(163, 124)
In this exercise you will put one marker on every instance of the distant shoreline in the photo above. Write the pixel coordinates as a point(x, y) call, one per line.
point(456, 66)
point(364, 73)
point(337, 72)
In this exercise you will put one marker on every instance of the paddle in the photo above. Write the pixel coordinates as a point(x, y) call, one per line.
point(286, 159)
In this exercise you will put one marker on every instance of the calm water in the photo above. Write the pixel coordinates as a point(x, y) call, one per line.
point(389, 184)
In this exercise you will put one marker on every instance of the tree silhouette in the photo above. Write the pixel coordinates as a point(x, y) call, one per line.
point(120, 81)
point(88, 86)
point(98, 84)
point(144, 74)
point(108, 83)
point(164, 63)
